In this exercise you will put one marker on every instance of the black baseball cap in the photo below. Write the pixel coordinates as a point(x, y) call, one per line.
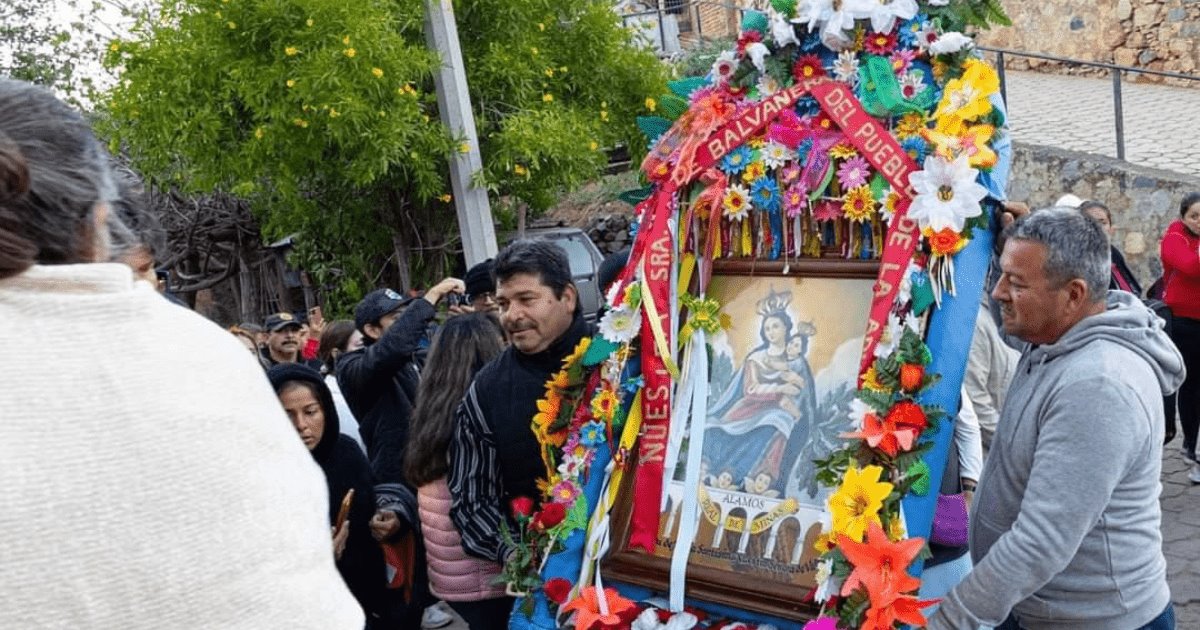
point(280, 321)
point(478, 280)
point(378, 303)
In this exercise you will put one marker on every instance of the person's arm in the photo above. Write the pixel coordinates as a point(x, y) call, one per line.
point(970, 446)
point(1177, 254)
point(372, 368)
point(1064, 497)
point(475, 486)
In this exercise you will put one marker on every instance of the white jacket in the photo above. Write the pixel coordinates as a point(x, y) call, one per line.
point(151, 479)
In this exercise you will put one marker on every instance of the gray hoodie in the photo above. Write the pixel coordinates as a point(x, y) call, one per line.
point(1065, 526)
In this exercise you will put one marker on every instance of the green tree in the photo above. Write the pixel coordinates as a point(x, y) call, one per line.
point(39, 46)
point(322, 114)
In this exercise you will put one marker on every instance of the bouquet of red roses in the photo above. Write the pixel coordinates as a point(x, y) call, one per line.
point(531, 545)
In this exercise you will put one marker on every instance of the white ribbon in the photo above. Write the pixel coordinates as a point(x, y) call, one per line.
point(696, 383)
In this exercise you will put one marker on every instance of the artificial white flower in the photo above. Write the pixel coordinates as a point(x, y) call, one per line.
point(947, 194)
point(620, 325)
point(775, 155)
point(951, 42)
point(828, 584)
point(737, 202)
point(758, 52)
point(890, 338)
point(845, 67)
point(768, 85)
point(912, 83)
point(570, 466)
point(782, 30)
point(884, 14)
point(926, 35)
point(724, 66)
point(858, 413)
point(938, 3)
point(835, 18)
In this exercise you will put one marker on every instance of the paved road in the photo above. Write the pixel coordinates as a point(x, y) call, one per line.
point(1181, 536)
point(1077, 113)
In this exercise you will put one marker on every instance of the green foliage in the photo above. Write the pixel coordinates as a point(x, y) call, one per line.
point(959, 14)
point(322, 114)
point(37, 47)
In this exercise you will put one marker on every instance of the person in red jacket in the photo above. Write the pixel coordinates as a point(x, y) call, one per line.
point(1180, 251)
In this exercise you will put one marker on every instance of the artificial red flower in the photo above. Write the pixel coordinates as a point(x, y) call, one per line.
point(808, 67)
point(557, 590)
point(880, 43)
point(880, 564)
point(911, 375)
point(747, 38)
point(521, 506)
point(552, 514)
point(908, 414)
point(884, 435)
point(587, 609)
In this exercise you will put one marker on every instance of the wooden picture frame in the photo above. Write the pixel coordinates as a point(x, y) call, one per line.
point(761, 515)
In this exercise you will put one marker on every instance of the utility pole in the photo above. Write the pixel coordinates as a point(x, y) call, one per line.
point(454, 103)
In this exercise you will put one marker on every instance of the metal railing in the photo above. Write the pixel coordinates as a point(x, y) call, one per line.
point(1115, 71)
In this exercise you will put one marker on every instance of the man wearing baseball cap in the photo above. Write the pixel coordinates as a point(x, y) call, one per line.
point(283, 341)
point(379, 382)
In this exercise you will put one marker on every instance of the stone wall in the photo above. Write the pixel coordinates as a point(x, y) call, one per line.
point(1151, 34)
point(1144, 201)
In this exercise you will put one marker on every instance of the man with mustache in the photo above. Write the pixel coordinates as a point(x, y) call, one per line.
point(283, 341)
point(494, 456)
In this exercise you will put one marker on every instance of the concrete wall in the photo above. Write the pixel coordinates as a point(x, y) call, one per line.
point(1143, 200)
point(1152, 34)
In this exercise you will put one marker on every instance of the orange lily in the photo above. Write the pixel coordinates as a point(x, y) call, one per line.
point(905, 609)
point(587, 609)
point(880, 564)
point(884, 435)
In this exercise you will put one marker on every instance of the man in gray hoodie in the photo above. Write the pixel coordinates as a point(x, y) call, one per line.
point(1065, 526)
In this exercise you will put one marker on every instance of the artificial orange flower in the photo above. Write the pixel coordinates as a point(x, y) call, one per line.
point(945, 242)
point(909, 414)
point(905, 609)
point(587, 608)
point(559, 382)
point(884, 435)
point(880, 564)
point(911, 376)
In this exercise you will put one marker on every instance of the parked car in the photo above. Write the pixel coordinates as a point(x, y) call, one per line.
point(584, 258)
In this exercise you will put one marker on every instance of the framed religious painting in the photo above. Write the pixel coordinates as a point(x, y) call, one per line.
point(781, 382)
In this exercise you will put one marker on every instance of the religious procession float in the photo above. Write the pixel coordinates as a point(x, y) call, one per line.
point(756, 436)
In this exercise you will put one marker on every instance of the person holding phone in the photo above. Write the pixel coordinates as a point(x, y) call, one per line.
point(309, 405)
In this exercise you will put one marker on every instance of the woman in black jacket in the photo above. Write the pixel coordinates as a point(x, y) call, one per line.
point(309, 404)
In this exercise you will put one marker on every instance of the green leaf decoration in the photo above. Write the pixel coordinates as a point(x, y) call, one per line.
point(919, 473)
point(786, 7)
point(653, 126)
point(756, 21)
point(598, 351)
point(684, 87)
point(636, 196)
point(879, 186)
point(922, 294)
point(817, 192)
point(879, 401)
point(672, 106)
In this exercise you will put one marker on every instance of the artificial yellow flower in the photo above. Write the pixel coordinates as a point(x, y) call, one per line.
point(291, 51)
point(651, 104)
point(350, 52)
point(577, 354)
point(842, 151)
point(910, 125)
point(754, 170)
point(559, 382)
point(378, 72)
point(895, 530)
point(604, 405)
point(871, 381)
point(756, 142)
point(547, 97)
point(857, 502)
point(969, 140)
point(859, 204)
point(967, 96)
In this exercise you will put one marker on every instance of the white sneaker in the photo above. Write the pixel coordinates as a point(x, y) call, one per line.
point(1194, 474)
point(435, 617)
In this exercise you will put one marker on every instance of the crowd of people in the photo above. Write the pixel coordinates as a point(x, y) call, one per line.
point(198, 506)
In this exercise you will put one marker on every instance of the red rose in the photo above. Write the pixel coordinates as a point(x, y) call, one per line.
point(552, 514)
point(521, 506)
point(557, 590)
point(911, 375)
point(908, 414)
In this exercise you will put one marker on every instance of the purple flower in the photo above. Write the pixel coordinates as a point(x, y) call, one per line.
point(853, 172)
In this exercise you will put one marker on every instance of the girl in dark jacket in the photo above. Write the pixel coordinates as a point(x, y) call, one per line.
point(309, 404)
